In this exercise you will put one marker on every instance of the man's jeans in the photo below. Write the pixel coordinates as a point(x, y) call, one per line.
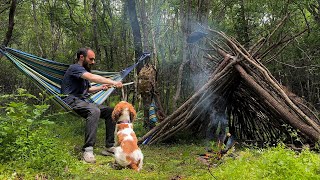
point(92, 113)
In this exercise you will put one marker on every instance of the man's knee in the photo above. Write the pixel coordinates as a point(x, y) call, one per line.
point(94, 111)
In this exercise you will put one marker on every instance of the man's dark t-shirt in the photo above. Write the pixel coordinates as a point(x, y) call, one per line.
point(73, 84)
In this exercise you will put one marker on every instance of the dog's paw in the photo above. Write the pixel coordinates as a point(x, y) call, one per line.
point(115, 166)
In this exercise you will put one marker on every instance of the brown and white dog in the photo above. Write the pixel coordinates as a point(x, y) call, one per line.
point(126, 152)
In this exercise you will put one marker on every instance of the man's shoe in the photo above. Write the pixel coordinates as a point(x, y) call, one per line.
point(88, 155)
point(108, 151)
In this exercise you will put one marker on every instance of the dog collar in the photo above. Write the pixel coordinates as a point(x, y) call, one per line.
point(124, 122)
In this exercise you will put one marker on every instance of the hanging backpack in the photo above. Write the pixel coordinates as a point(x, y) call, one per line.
point(146, 79)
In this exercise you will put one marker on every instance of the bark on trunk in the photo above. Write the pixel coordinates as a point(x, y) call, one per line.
point(131, 4)
point(11, 23)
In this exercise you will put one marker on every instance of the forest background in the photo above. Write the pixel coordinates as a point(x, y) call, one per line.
point(119, 31)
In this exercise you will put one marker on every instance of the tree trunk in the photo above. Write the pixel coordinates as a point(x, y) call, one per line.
point(95, 31)
point(144, 26)
point(203, 11)
point(131, 4)
point(36, 29)
point(56, 30)
point(184, 17)
point(242, 27)
point(11, 23)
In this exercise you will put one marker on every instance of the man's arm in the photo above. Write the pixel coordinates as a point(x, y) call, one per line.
point(94, 89)
point(101, 80)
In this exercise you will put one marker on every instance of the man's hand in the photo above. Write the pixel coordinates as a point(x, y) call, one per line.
point(105, 87)
point(118, 84)
point(115, 85)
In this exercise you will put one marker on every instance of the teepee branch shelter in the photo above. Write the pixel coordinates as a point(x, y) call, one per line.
point(258, 106)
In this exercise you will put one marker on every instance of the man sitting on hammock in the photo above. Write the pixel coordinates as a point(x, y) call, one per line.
point(76, 85)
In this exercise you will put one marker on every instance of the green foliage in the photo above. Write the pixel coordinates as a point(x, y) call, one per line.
point(26, 143)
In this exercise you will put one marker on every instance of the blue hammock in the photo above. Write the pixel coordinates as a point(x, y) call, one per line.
point(48, 74)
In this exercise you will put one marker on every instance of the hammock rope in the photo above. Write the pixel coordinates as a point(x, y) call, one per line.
point(48, 74)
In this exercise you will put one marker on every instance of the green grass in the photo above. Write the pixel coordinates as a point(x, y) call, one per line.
point(271, 163)
point(177, 160)
point(160, 161)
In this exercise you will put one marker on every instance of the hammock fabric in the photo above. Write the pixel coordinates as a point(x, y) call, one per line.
point(48, 74)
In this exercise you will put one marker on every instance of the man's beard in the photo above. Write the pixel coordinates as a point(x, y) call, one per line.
point(87, 66)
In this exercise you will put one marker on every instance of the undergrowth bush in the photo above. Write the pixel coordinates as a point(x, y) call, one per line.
point(25, 138)
point(272, 163)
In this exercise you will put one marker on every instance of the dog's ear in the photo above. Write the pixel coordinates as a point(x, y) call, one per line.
point(133, 113)
point(116, 113)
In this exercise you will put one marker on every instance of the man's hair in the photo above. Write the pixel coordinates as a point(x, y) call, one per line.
point(82, 51)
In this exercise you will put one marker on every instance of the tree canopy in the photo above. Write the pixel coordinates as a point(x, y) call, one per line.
point(55, 29)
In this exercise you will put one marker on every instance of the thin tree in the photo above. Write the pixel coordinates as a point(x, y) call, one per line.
point(132, 12)
point(11, 23)
point(95, 30)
